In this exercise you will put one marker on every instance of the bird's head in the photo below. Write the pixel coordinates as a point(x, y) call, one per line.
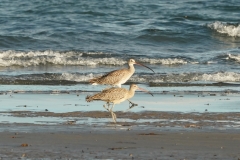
point(134, 87)
point(132, 62)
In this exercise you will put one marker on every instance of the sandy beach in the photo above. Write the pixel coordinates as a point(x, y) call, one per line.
point(65, 127)
point(29, 141)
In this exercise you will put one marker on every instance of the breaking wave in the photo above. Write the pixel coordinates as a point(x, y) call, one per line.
point(78, 78)
point(167, 61)
point(232, 30)
point(188, 77)
point(234, 57)
point(35, 58)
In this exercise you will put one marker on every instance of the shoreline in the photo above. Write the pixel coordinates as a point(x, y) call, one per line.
point(170, 125)
point(221, 121)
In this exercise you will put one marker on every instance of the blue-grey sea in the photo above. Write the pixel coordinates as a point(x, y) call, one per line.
point(63, 43)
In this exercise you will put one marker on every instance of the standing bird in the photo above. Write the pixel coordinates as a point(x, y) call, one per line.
point(115, 96)
point(117, 77)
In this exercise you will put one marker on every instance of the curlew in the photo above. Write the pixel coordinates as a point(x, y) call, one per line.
point(115, 96)
point(117, 77)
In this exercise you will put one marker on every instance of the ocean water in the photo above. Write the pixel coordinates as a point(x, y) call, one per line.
point(66, 42)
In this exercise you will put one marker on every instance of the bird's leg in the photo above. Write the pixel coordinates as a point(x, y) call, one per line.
point(107, 108)
point(114, 117)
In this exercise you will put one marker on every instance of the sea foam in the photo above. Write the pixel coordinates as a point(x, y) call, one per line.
point(221, 77)
point(234, 57)
point(34, 58)
point(166, 61)
point(225, 28)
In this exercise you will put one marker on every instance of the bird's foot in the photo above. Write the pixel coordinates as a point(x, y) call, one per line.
point(132, 105)
point(114, 117)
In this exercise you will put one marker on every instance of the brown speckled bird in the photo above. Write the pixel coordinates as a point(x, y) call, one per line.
point(117, 77)
point(115, 96)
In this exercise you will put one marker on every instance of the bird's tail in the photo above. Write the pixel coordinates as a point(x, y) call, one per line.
point(93, 81)
point(93, 98)
point(89, 98)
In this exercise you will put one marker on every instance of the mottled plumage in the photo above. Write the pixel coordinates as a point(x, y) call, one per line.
point(117, 77)
point(114, 96)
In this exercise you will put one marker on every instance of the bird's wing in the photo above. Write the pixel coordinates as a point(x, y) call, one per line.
point(113, 94)
point(111, 77)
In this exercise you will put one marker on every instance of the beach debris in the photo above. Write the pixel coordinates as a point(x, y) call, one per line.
point(15, 136)
point(117, 148)
point(81, 105)
point(67, 104)
point(148, 134)
point(191, 126)
point(23, 155)
point(212, 94)
point(71, 122)
point(23, 106)
point(131, 155)
point(24, 145)
point(225, 99)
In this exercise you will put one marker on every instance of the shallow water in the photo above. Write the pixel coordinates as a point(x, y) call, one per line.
point(176, 101)
point(57, 46)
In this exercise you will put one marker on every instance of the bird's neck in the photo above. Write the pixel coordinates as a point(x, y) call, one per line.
point(131, 94)
point(131, 68)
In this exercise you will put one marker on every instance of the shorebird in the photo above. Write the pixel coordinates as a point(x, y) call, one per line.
point(117, 77)
point(115, 96)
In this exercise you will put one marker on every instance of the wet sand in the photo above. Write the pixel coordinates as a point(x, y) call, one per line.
point(88, 142)
point(175, 136)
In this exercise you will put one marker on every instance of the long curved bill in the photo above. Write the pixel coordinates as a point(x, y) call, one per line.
point(145, 91)
point(143, 66)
